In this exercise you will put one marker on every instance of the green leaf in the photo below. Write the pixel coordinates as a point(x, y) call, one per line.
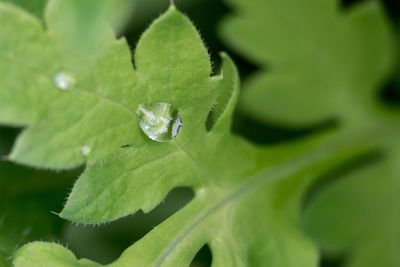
point(98, 110)
point(359, 215)
point(317, 62)
point(46, 254)
point(247, 198)
point(320, 63)
point(174, 76)
point(233, 220)
point(34, 7)
point(37, 100)
point(220, 115)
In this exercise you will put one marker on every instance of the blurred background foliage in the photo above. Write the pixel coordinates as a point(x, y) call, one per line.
point(28, 196)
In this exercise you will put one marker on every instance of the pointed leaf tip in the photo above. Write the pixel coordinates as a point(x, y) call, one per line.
point(228, 95)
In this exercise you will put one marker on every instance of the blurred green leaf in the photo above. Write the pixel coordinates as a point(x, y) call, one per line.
point(35, 7)
point(358, 216)
point(81, 108)
point(236, 184)
point(317, 62)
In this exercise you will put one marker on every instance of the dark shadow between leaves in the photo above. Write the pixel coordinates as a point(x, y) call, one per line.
point(203, 257)
point(390, 93)
point(105, 243)
point(345, 4)
point(270, 133)
point(328, 261)
point(331, 177)
point(393, 10)
point(340, 172)
point(7, 138)
point(27, 197)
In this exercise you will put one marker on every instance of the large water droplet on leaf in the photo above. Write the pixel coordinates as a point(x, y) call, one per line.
point(159, 121)
point(63, 80)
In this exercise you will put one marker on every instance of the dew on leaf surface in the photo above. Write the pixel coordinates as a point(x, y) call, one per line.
point(63, 80)
point(159, 121)
point(85, 149)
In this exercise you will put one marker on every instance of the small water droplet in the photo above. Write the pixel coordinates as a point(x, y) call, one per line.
point(159, 121)
point(85, 149)
point(63, 80)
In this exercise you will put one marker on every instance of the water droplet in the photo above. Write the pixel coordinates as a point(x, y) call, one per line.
point(63, 80)
point(85, 149)
point(159, 121)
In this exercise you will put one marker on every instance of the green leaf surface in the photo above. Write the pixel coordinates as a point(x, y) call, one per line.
point(34, 7)
point(225, 219)
point(40, 102)
point(46, 254)
point(247, 198)
point(358, 216)
point(317, 62)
